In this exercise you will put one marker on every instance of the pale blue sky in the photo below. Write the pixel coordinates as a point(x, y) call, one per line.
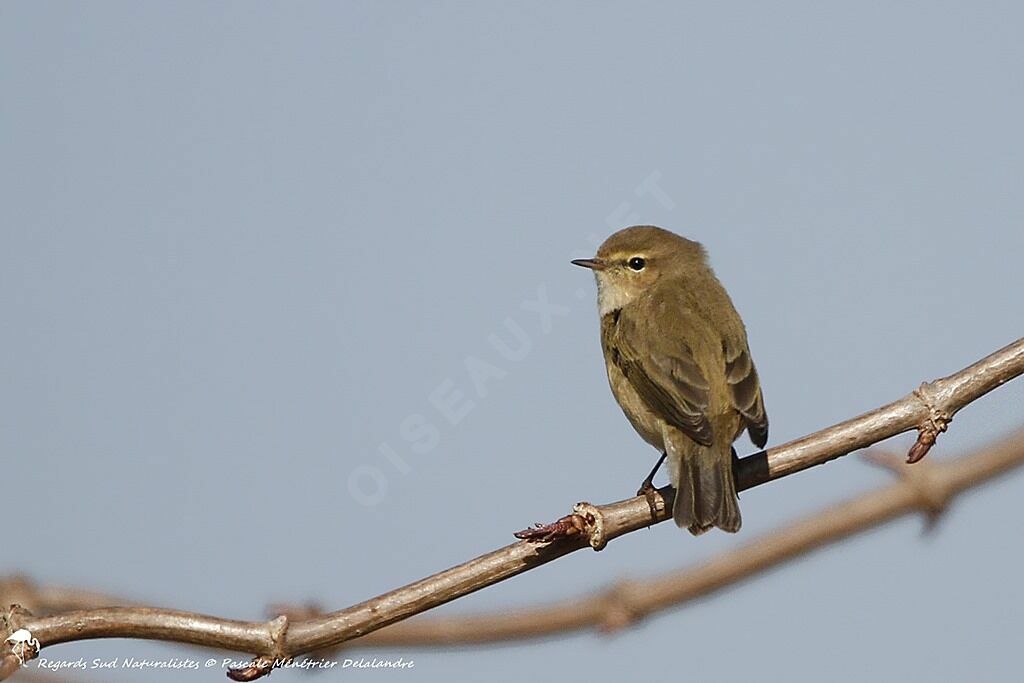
point(243, 245)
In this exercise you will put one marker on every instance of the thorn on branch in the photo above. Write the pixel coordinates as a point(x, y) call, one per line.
point(585, 519)
point(938, 421)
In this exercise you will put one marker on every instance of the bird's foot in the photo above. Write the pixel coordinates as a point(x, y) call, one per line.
point(650, 492)
point(646, 488)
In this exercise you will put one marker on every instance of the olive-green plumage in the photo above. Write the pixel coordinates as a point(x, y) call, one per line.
point(678, 364)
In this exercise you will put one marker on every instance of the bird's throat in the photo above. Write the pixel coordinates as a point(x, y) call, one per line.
point(611, 298)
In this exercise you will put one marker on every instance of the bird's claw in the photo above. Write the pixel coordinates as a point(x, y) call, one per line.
point(650, 492)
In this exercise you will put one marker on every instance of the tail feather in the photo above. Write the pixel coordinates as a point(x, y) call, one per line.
point(684, 510)
point(705, 493)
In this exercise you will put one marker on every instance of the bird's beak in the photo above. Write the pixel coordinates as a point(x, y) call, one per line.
point(592, 263)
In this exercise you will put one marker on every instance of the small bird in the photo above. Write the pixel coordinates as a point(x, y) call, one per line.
point(678, 363)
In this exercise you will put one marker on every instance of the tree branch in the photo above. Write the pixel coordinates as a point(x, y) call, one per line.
point(928, 409)
point(927, 489)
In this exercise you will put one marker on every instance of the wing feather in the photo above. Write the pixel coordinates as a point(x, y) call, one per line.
point(741, 375)
point(669, 381)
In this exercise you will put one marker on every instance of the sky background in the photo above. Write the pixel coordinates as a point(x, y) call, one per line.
point(244, 244)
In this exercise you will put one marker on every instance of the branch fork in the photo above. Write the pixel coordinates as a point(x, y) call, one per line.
point(620, 608)
point(262, 665)
point(932, 493)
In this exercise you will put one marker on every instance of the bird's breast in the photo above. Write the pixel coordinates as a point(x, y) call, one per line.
point(647, 424)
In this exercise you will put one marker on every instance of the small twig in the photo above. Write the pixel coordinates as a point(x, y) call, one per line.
point(585, 519)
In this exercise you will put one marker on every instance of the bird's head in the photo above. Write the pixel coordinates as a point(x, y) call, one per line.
point(634, 259)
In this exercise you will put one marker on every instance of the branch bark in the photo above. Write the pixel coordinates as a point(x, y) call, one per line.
point(929, 409)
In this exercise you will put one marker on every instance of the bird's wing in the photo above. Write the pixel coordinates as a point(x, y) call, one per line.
point(666, 377)
point(746, 389)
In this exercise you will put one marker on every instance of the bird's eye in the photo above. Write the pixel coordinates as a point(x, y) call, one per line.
point(637, 263)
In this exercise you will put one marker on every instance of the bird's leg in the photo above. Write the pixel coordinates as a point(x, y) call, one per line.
point(647, 487)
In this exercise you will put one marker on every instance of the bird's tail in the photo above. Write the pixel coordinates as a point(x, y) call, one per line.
point(705, 492)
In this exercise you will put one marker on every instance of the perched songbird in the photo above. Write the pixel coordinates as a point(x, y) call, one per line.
point(678, 363)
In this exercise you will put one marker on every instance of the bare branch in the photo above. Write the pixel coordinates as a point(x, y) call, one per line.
point(927, 489)
point(928, 409)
